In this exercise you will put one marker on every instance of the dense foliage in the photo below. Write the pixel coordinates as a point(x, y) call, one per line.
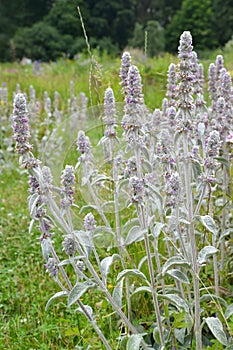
point(110, 26)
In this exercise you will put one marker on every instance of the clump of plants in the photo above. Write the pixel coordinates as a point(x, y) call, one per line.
point(151, 199)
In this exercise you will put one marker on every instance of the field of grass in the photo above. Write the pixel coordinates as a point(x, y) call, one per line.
point(25, 285)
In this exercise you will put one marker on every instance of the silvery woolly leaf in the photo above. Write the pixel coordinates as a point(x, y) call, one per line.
point(134, 342)
point(118, 293)
point(176, 300)
point(215, 325)
point(209, 223)
point(223, 161)
point(88, 309)
point(174, 261)
point(229, 311)
point(46, 247)
point(131, 272)
point(54, 297)
point(135, 234)
point(215, 298)
point(205, 253)
point(157, 229)
point(142, 289)
point(83, 238)
point(106, 264)
point(178, 275)
point(78, 290)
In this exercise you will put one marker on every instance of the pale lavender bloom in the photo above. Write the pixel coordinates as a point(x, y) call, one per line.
point(34, 186)
point(172, 188)
point(185, 87)
point(51, 267)
point(47, 176)
point(125, 65)
point(164, 107)
point(213, 144)
point(89, 222)
point(83, 143)
point(134, 107)
point(109, 113)
point(219, 65)
point(67, 188)
point(212, 84)
point(171, 85)
point(131, 167)
point(136, 186)
point(69, 245)
point(20, 125)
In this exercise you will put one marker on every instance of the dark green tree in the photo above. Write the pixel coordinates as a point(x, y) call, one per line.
point(197, 17)
point(223, 14)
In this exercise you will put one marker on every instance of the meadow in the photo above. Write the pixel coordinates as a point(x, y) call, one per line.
point(26, 286)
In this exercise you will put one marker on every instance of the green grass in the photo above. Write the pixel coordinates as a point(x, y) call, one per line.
point(25, 286)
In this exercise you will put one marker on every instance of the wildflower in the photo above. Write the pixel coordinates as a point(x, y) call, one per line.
point(213, 144)
point(185, 87)
point(172, 188)
point(134, 107)
point(109, 113)
point(89, 222)
point(51, 267)
point(171, 85)
point(125, 65)
point(136, 186)
point(83, 143)
point(67, 189)
point(69, 245)
point(212, 81)
point(20, 125)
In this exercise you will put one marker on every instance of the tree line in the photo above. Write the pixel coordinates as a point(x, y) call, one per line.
point(47, 29)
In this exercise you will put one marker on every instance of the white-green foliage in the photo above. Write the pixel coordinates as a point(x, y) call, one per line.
point(156, 184)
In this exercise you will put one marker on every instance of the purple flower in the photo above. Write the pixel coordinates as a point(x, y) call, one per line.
point(89, 222)
point(20, 125)
point(136, 186)
point(51, 267)
point(67, 188)
point(83, 143)
point(69, 245)
point(171, 85)
point(125, 65)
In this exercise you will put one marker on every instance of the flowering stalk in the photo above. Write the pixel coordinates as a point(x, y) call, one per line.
point(185, 104)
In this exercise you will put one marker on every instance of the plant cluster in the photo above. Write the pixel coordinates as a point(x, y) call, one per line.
point(154, 196)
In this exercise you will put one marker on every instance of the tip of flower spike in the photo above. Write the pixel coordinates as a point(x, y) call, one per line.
point(185, 43)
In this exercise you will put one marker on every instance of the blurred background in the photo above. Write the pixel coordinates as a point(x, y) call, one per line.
point(48, 29)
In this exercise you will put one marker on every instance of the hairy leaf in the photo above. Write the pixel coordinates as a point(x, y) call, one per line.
point(78, 290)
point(118, 293)
point(205, 253)
point(174, 261)
point(209, 223)
point(131, 272)
point(106, 264)
point(178, 275)
point(134, 342)
point(176, 300)
point(215, 325)
point(229, 311)
point(135, 234)
point(54, 297)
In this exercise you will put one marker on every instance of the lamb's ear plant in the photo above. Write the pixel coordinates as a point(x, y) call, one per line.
point(171, 167)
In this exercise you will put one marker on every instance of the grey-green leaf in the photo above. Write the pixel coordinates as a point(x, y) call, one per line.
point(106, 264)
point(118, 293)
point(229, 311)
point(131, 272)
point(215, 325)
point(78, 290)
point(179, 302)
point(54, 297)
point(134, 342)
point(178, 275)
point(205, 253)
point(209, 223)
point(174, 261)
point(88, 309)
point(135, 234)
